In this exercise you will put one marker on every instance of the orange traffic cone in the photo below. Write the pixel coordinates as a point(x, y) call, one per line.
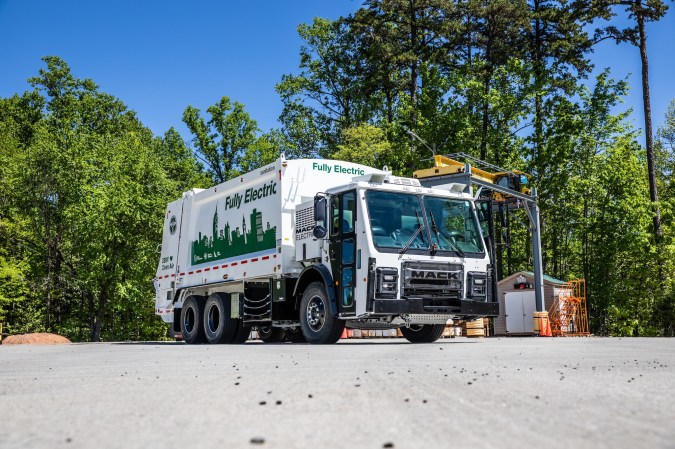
point(544, 327)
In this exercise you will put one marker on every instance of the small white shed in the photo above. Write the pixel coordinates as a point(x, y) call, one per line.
point(517, 302)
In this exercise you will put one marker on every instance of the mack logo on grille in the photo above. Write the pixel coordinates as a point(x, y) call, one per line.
point(421, 274)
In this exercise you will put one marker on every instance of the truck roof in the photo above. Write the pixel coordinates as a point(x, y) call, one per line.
point(352, 175)
point(456, 192)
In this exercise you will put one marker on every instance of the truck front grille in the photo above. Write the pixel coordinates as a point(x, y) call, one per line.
point(432, 280)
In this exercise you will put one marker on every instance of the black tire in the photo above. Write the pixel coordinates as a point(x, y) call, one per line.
point(317, 322)
point(242, 334)
point(423, 333)
point(218, 326)
point(191, 324)
point(294, 335)
point(269, 334)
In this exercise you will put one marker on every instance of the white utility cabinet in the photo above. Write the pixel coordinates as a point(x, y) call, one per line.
point(520, 307)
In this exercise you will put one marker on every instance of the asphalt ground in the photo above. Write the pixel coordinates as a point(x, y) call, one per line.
point(377, 393)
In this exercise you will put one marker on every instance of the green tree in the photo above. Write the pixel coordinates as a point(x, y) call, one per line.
point(641, 12)
point(409, 36)
point(498, 27)
point(666, 140)
point(118, 218)
point(327, 95)
point(364, 144)
point(266, 149)
point(14, 265)
point(84, 189)
point(181, 165)
point(557, 47)
point(665, 164)
point(594, 198)
point(222, 140)
point(300, 130)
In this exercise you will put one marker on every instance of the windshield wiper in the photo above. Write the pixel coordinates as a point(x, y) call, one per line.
point(446, 237)
point(412, 238)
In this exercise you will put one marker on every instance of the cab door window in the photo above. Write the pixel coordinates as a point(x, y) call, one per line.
point(335, 224)
point(348, 212)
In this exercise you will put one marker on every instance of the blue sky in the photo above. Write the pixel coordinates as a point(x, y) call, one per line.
point(161, 56)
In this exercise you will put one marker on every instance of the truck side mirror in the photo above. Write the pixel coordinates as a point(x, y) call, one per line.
point(320, 208)
point(319, 230)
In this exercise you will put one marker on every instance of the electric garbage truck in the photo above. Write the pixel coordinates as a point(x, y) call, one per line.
point(300, 249)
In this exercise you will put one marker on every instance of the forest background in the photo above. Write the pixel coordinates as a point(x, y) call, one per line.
point(84, 184)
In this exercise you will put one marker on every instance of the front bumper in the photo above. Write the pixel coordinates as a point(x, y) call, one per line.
point(457, 307)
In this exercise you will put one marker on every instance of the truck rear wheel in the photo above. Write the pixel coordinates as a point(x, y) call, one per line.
point(269, 334)
point(318, 324)
point(191, 320)
point(423, 333)
point(218, 326)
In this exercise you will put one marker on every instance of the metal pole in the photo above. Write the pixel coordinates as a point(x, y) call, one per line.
point(536, 252)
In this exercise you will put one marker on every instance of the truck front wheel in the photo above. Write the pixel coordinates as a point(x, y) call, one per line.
point(423, 333)
point(191, 320)
point(318, 324)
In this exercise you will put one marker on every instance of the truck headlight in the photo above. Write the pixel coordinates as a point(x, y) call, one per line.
point(387, 282)
point(476, 285)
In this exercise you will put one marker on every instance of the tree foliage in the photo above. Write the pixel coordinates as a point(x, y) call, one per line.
point(364, 144)
point(84, 189)
point(506, 82)
point(83, 184)
point(640, 12)
point(224, 138)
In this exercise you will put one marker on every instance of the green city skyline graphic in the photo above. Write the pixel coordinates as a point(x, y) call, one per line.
point(228, 242)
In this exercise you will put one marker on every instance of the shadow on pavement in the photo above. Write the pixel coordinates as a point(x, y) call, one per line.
point(358, 342)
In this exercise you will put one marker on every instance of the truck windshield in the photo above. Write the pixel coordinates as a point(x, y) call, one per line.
point(453, 224)
point(395, 218)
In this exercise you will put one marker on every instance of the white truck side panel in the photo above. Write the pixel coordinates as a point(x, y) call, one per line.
point(231, 230)
point(243, 228)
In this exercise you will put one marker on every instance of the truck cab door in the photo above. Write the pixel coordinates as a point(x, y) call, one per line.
point(342, 249)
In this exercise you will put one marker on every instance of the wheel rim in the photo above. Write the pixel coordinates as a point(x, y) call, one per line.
point(416, 327)
point(264, 332)
point(213, 320)
point(189, 320)
point(316, 313)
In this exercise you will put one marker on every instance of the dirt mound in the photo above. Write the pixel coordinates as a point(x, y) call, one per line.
point(35, 339)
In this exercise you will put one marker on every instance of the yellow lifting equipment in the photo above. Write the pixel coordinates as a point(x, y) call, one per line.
point(509, 189)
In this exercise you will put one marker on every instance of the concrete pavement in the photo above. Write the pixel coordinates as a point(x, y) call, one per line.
point(456, 393)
